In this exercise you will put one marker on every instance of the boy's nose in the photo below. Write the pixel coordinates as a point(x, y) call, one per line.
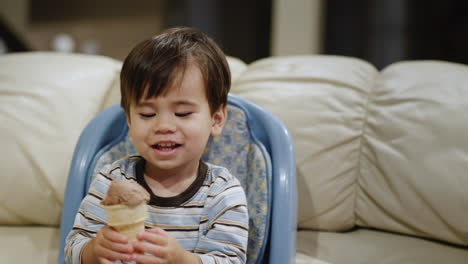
point(164, 125)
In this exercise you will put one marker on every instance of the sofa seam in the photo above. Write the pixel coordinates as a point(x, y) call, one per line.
point(361, 143)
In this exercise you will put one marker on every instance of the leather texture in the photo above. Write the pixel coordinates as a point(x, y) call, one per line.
point(366, 246)
point(45, 101)
point(29, 244)
point(322, 101)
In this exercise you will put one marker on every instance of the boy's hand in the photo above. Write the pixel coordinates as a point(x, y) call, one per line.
point(108, 245)
point(163, 249)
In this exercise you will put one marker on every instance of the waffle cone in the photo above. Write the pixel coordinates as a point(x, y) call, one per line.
point(128, 220)
point(131, 230)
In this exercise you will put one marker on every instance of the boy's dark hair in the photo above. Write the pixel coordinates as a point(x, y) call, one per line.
point(150, 68)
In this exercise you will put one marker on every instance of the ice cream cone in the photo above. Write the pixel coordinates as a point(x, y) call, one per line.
point(128, 220)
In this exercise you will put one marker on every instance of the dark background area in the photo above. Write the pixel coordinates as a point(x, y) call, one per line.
point(386, 31)
point(378, 31)
point(241, 27)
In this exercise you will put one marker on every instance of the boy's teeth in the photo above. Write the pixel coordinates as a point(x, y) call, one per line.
point(165, 145)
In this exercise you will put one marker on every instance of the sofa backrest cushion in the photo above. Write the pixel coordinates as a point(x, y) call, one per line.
point(46, 99)
point(322, 101)
point(414, 161)
point(382, 150)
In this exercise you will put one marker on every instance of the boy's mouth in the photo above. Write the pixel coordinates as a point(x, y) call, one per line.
point(165, 146)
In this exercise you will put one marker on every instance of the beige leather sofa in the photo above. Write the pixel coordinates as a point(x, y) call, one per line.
point(46, 99)
point(382, 157)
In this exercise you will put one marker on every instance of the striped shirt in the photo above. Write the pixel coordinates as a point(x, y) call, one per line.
point(209, 219)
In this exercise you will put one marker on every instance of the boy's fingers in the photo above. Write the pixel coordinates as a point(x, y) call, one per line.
point(118, 247)
point(146, 247)
point(145, 259)
point(114, 236)
point(107, 254)
point(105, 261)
point(154, 237)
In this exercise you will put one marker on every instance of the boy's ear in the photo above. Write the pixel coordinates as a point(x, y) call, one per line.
point(218, 119)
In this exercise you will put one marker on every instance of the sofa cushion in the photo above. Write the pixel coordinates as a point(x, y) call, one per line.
point(414, 165)
point(322, 100)
point(236, 66)
point(46, 99)
point(29, 244)
point(365, 246)
point(306, 259)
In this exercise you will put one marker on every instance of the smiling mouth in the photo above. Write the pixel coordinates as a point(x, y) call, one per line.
point(166, 146)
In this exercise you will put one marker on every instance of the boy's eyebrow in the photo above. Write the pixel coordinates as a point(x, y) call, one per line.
point(179, 102)
point(142, 104)
point(185, 102)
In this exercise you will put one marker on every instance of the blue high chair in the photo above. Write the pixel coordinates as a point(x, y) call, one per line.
point(255, 146)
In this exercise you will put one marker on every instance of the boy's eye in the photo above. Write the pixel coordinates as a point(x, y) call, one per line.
point(183, 114)
point(146, 115)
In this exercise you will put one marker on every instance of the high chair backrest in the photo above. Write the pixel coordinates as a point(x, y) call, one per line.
point(254, 145)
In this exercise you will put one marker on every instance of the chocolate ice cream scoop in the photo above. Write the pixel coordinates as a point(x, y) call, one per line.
point(125, 192)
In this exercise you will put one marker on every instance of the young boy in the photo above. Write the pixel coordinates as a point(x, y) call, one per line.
point(174, 92)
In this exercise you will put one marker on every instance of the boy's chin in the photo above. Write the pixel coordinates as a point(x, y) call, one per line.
point(170, 164)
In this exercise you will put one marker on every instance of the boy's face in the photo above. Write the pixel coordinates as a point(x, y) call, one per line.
point(171, 131)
